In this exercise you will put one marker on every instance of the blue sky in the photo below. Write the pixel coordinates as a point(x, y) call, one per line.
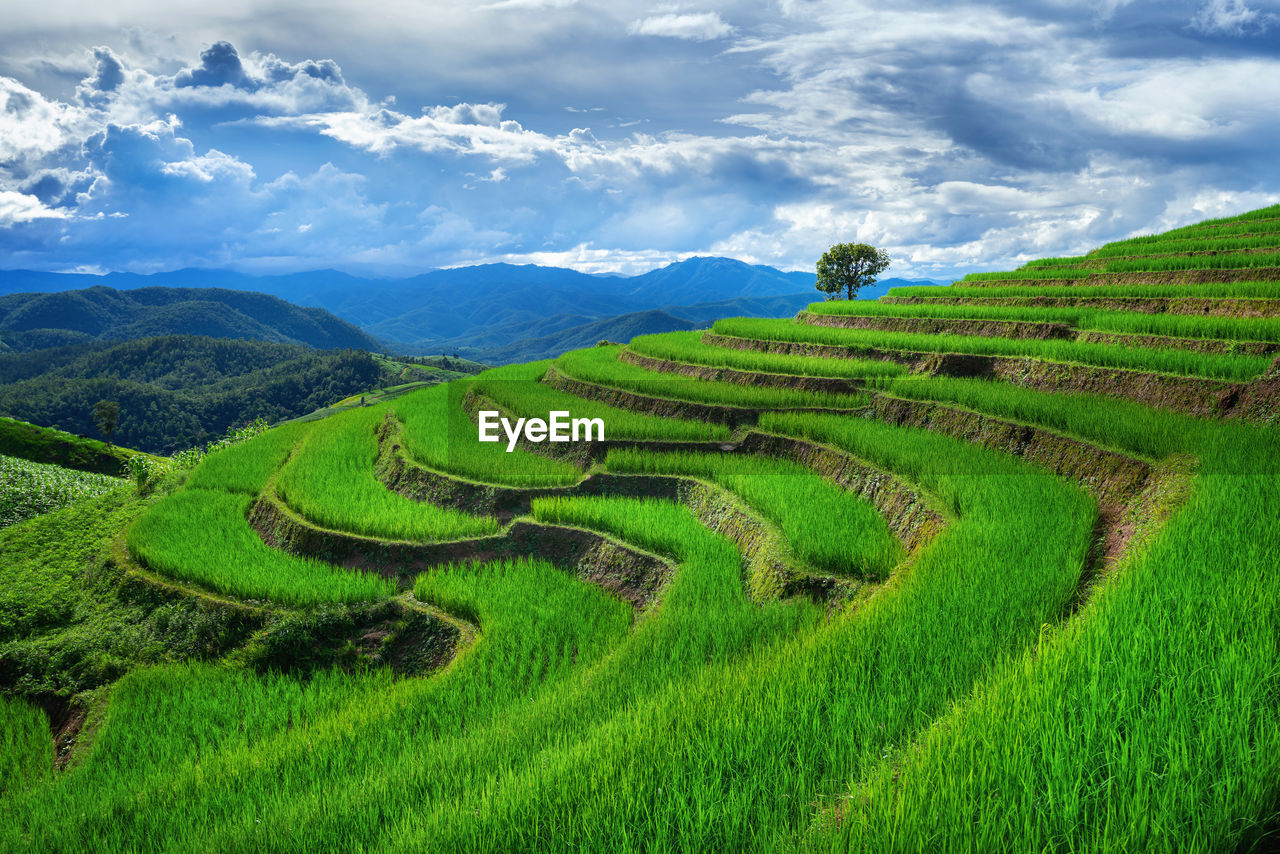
point(392, 138)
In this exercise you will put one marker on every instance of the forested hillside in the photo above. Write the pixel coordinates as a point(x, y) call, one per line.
point(178, 391)
point(31, 321)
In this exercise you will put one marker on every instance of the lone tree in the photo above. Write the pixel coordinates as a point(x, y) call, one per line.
point(848, 267)
point(106, 414)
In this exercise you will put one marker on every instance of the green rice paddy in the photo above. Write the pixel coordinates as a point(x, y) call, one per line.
point(1045, 673)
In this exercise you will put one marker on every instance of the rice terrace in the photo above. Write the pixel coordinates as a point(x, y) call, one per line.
point(980, 567)
point(640, 426)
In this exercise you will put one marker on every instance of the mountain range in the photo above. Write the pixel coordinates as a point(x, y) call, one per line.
point(495, 313)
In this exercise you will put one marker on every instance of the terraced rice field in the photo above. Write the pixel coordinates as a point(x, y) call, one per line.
point(935, 572)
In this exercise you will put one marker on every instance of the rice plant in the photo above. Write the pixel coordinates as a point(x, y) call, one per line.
point(330, 480)
point(1167, 680)
point(439, 434)
point(1169, 361)
point(826, 526)
point(601, 365)
point(203, 536)
point(1163, 264)
point(688, 347)
point(1213, 290)
point(246, 467)
point(26, 751)
point(518, 389)
point(1079, 317)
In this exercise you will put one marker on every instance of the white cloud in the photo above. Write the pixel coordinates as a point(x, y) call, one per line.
point(1180, 99)
point(475, 129)
point(1230, 17)
point(589, 258)
point(19, 207)
point(32, 126)
point(700, 26)
point(961, 138)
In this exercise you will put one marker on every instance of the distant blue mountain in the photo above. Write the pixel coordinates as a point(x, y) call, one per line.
point(488, 308)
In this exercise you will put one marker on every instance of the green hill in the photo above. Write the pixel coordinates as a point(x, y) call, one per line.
point(32, 321)
point(980, 567)
point(178, 391)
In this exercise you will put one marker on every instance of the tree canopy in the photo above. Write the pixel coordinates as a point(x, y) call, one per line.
point(848, 267)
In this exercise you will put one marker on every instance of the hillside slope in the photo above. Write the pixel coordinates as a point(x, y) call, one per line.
point(974, 568)
point(178, 391)
point(30, 321)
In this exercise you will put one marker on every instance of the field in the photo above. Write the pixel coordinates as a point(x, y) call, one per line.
point(28, 489)
point(901, 598)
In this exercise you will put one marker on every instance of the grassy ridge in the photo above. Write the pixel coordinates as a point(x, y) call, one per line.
point(246, 467)
point(1102, 355)
point(1261, 221)
point(517, 388)
point(47, 445)
point(439, 434)
point(338, 461)
point(688, 347)
point(270, 743)
point(827, 527)
point(1175, 325)
point(734, 761)
point(1216, 290)
point(1119, 424)
point(203, 535)
point(1171, 247)
point(1224, 261)
point(601, 365)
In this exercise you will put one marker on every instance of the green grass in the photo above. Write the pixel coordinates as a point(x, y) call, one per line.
point(26, 749)
point(973, 701)
point(439, 434)
point(72, 618)
point(827, 527)
point(1215, 290)
point(1222, 261)
point(1148, 724)
point(330, 480)
point(735, 761)
point(1175, 325)
point(1205, 244)
point(246, 467)
point(517, 388)
point(1101, 355)
point(203, 536)
point(1121, 425)
point(601, 365)
point(29, 489)
point(48, 445)
point(688, 347)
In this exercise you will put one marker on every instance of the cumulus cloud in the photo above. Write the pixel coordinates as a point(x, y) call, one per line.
point(19, 207)
point(700, 26)
point(219, 66)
